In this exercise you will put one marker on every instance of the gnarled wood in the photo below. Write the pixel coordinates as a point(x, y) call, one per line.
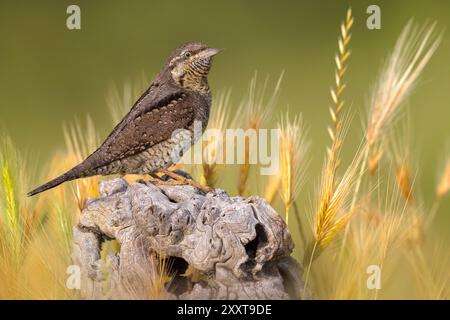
point(217, 247)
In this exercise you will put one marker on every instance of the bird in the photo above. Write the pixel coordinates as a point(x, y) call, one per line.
point(160, 126)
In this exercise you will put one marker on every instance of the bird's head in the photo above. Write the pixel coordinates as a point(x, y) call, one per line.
point(189, 65)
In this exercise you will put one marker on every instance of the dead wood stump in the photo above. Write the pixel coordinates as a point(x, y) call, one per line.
point(213, 246)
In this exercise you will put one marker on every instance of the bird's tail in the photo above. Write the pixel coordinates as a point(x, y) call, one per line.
point(53, 183)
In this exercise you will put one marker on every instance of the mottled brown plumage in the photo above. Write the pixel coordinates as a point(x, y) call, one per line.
point(160, 125)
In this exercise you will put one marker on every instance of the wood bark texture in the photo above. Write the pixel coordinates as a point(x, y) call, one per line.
point(210, 246)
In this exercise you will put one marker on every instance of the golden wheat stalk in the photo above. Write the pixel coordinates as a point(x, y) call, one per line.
point(13, 231)
point(337, 91)
point(19, 219)
point(160, 276)
point(16, 212)
point(272, 187)
point(379, 228)
point(332, 195)
point(331, 215)
point(293, 148)
point(405, 182)
point(213, 150)
point(401, 157)
point(412, 52)
point(256, 111)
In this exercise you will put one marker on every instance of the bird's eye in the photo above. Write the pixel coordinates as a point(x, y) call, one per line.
point(187, 54)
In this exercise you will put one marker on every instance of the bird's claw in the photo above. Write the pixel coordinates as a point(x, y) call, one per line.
point(172, 178)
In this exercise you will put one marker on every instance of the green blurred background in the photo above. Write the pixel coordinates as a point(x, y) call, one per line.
point(50, 75)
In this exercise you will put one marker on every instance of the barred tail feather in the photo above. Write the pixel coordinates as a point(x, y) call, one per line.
point(53, 183)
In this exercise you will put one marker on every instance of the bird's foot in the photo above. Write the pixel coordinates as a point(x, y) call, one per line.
point(178, 172)
point(177, 179)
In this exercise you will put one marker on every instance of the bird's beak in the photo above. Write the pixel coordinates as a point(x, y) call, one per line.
point(210, 52)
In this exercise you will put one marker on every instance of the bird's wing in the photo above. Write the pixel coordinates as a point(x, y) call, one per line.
point(152, 119)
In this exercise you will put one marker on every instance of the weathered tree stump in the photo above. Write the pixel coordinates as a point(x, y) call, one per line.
point(237, 248)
